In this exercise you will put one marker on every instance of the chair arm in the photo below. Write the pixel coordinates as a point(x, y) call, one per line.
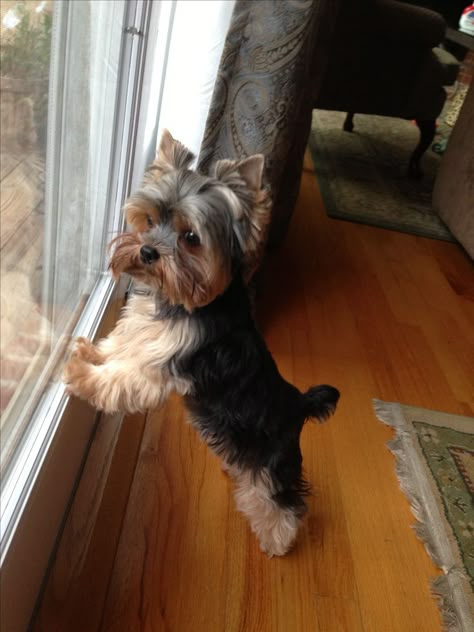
point(407, 23)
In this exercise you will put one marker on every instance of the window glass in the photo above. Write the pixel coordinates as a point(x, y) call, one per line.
point(59, 93)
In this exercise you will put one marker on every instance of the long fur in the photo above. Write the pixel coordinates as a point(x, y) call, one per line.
point(194, 242)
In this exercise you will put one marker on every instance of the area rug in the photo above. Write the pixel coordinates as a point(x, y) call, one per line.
point(363, 174)
point(435, 466)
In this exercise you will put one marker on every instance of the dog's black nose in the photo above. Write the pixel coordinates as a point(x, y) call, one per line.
point(148, 254)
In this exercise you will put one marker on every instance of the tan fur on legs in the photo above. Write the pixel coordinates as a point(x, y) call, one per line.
point(114, 376)
point(276, 528)
point(113, 387)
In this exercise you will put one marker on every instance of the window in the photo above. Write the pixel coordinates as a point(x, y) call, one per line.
point(73, 127)
point(54, 188)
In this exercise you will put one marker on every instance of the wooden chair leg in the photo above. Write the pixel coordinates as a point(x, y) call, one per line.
point(349, 122)
point(427, 133)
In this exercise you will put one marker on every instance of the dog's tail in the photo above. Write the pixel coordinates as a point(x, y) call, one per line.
point(320, 402)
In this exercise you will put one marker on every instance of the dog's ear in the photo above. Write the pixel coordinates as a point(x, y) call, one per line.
point(171, 154)
point(252, 211)
point(250, 170)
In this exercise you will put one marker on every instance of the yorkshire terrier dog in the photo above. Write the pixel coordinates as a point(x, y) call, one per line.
point(195, 241)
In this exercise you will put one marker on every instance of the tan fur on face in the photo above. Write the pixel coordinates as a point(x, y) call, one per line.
point(196, 283)
point(140, 214)
point(193, 281)
point(237, 176)
point(276, 528)
point(126, 255)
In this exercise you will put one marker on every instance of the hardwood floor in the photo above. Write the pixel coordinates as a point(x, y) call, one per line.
point(153, 541)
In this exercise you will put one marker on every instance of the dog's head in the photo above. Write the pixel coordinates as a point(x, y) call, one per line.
point(191, 232)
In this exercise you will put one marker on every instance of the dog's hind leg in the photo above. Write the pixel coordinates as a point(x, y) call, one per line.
point(274, 524)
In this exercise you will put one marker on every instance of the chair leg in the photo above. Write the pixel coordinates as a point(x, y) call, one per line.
point(427, 133)
point(348, 122)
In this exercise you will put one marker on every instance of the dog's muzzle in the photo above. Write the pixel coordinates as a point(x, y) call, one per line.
point(149, 255)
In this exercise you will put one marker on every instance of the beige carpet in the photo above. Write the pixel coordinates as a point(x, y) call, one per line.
point(435, 466)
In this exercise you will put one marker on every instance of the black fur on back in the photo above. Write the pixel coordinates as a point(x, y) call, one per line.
point(243, 408)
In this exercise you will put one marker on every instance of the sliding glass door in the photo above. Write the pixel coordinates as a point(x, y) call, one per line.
point(72, 77)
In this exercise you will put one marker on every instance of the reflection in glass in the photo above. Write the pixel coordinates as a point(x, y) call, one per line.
point(59, 88)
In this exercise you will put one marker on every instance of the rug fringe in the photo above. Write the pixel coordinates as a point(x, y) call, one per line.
point(441, 587)
point(442, 592)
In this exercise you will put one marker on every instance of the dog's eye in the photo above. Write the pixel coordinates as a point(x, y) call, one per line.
point(191, 238)
point(149, 221)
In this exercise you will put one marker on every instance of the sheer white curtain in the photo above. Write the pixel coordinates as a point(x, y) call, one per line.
point(86, 51)
point(106, 19)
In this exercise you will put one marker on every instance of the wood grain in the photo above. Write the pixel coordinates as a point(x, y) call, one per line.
point(380, 315)
point(77, 584)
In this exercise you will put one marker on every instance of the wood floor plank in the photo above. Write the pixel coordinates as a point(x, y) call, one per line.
point(390, 360)
point(336, 614)
point(179, 498)
point(74, 595)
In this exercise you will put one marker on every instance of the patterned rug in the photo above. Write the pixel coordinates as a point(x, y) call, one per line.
point(435, 466)
point(363, 175)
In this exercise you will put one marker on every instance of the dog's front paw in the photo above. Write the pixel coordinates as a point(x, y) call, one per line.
point(78, 377)
point(85, 350)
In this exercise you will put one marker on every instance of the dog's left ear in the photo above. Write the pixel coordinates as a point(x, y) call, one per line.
point(252, 212)
point(249, 169)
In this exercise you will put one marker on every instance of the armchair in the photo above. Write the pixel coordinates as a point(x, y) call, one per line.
point(382, 61)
